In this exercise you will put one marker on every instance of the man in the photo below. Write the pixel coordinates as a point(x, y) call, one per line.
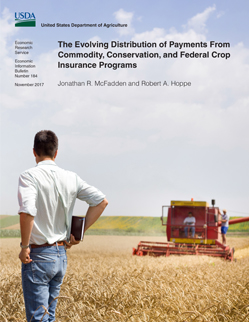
point(224, 226)
point(47, 195)
point(190, 222)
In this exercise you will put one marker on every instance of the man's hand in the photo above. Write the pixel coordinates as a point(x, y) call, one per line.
point(71, 242)
point(24, 256)
point(26, 224)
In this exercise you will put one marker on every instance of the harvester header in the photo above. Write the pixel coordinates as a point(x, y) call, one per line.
point(192, 228)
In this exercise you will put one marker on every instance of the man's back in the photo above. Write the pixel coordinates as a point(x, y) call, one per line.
point(48, 193)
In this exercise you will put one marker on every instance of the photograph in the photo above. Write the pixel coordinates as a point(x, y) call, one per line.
point(139, 109)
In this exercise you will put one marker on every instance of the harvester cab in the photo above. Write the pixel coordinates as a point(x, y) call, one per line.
point(202, 229)
point(192, 228)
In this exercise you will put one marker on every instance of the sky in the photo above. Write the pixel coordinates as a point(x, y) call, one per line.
point(141, 146)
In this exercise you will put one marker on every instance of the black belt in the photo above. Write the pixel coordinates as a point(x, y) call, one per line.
point(60, 243)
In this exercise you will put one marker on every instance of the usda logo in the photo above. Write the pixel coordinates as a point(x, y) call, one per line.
point(24, 19)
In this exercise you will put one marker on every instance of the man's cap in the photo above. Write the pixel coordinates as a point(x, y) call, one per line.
point(224, 210)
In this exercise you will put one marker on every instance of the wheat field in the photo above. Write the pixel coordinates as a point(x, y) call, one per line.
point(104, 282)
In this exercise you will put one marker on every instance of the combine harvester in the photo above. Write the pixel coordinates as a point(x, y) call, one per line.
point(207, 236)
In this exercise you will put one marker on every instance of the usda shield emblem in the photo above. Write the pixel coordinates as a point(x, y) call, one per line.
point(25, 19)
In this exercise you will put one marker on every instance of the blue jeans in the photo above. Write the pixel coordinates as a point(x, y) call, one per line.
point(191, 228)
point(41, 281)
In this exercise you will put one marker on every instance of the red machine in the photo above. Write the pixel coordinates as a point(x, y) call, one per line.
point(202, 238)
